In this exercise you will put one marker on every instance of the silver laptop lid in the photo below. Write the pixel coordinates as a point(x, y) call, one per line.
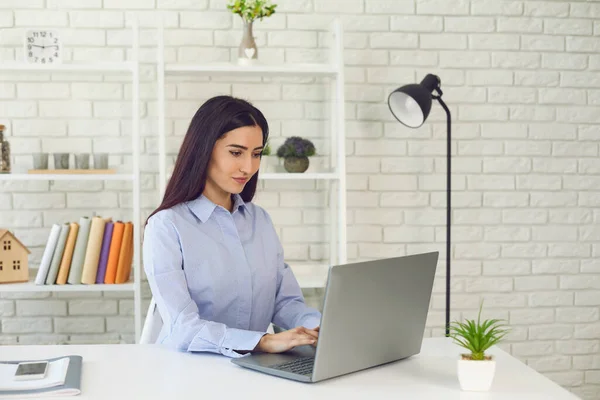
point(374, 312)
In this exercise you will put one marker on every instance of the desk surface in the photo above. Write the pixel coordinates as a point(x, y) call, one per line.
point(152, 372)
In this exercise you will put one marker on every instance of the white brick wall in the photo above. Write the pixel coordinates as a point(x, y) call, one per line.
point(520, 78)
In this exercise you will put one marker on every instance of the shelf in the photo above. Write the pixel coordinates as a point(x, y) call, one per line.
point(32, 287)
point(66, 177)
point(300, 176)
point(256, 69)
point(310, 275)
point(125, 66)
point(129, 71)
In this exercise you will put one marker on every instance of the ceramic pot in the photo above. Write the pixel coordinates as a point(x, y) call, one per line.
point(61, 160)
point(82, 161)
point(296, 164)
point(101, 161)
point(476, 375)
point(40, 161)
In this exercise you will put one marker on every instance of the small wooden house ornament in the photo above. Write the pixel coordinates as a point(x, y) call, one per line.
point(14, 265)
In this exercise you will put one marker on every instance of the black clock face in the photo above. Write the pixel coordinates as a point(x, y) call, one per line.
point(42, 47)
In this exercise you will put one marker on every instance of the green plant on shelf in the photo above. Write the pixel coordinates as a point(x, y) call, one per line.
point(267, 150)
point(251, 10)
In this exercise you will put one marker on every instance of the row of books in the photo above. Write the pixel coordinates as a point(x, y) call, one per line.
point(95, 250)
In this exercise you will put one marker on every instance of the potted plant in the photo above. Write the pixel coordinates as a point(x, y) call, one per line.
point(295, 152)
point(250, 10)
point(267, 149)
point(476, 369)
point(264, 158)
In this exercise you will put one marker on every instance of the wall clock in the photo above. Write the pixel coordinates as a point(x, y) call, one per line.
point(43, 47)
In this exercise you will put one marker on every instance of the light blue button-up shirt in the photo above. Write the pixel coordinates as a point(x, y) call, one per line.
point(219, 278)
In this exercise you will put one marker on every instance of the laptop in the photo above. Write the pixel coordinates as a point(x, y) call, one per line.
point(374, 313)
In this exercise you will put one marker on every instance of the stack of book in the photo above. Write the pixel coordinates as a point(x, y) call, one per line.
point(95, 250)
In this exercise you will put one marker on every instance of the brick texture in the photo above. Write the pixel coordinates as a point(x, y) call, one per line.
point(521, 79)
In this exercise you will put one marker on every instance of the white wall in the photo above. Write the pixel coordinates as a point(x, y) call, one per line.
point(522, 79)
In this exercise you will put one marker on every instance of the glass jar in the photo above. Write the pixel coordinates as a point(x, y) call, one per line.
point(4, 153)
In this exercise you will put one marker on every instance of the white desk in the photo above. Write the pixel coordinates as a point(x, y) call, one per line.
point(153, 372)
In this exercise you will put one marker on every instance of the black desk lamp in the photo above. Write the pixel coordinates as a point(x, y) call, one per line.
point(410, 104)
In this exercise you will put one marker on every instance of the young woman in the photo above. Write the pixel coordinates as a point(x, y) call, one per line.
point(213, 259)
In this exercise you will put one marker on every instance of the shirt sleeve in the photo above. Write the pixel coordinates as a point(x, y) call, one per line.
point(290, 308)
point(185, 330)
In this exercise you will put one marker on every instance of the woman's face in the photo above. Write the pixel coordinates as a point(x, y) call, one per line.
point(235, 159)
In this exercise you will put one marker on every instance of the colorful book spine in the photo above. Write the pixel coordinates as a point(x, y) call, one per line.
point(114, 252)
point(65, 264)
point(92, 253)
point(58, 254)
point(40, 278)
point(126, 255)
point(102, 264)
point(79, 253)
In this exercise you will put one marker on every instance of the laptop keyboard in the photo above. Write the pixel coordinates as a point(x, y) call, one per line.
point(301, 366)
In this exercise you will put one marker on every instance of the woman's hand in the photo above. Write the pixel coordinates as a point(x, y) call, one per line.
point(287, 340)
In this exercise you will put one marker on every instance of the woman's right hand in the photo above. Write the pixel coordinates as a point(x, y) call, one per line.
point(287, 340)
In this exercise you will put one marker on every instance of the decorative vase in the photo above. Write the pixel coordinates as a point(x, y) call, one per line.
point(247, 52)
point(296, 164)
point(475, 375)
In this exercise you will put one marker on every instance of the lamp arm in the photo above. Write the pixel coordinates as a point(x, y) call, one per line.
point(448, 205)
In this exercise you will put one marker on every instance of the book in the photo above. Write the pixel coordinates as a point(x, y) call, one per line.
point(62, 379)
point(126, 255)
point(65, 264)
point(92, 252)
point(40, 278)
point(79, 252)
point(58, 253)
point(108, 230)
point(113, 253)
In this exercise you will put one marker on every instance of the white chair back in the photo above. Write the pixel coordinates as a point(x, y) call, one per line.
point(153, 324)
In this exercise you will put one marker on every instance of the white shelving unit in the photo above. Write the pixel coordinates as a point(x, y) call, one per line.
point(309, 275)
point(67, 177)
point(70, 67)
point(132, 68)
point(32, 287)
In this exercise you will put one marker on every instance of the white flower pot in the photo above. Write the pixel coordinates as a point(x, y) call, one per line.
point(264, 164)
point(476, 375)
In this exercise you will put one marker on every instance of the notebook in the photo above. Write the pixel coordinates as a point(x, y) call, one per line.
point(62, 379)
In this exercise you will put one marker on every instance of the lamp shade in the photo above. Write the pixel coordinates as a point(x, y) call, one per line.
point(411, 104)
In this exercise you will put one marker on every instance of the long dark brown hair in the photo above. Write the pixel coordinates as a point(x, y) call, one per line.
point(213, 119)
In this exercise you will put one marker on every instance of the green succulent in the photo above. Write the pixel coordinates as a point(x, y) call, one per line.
point(478, 336)
point(266, 150)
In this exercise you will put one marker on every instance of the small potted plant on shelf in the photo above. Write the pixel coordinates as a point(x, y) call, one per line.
point(250, 10)
point(476, 369)
point(295, 152)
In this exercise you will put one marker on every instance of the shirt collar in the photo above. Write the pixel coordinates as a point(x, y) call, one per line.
point(203, 208)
